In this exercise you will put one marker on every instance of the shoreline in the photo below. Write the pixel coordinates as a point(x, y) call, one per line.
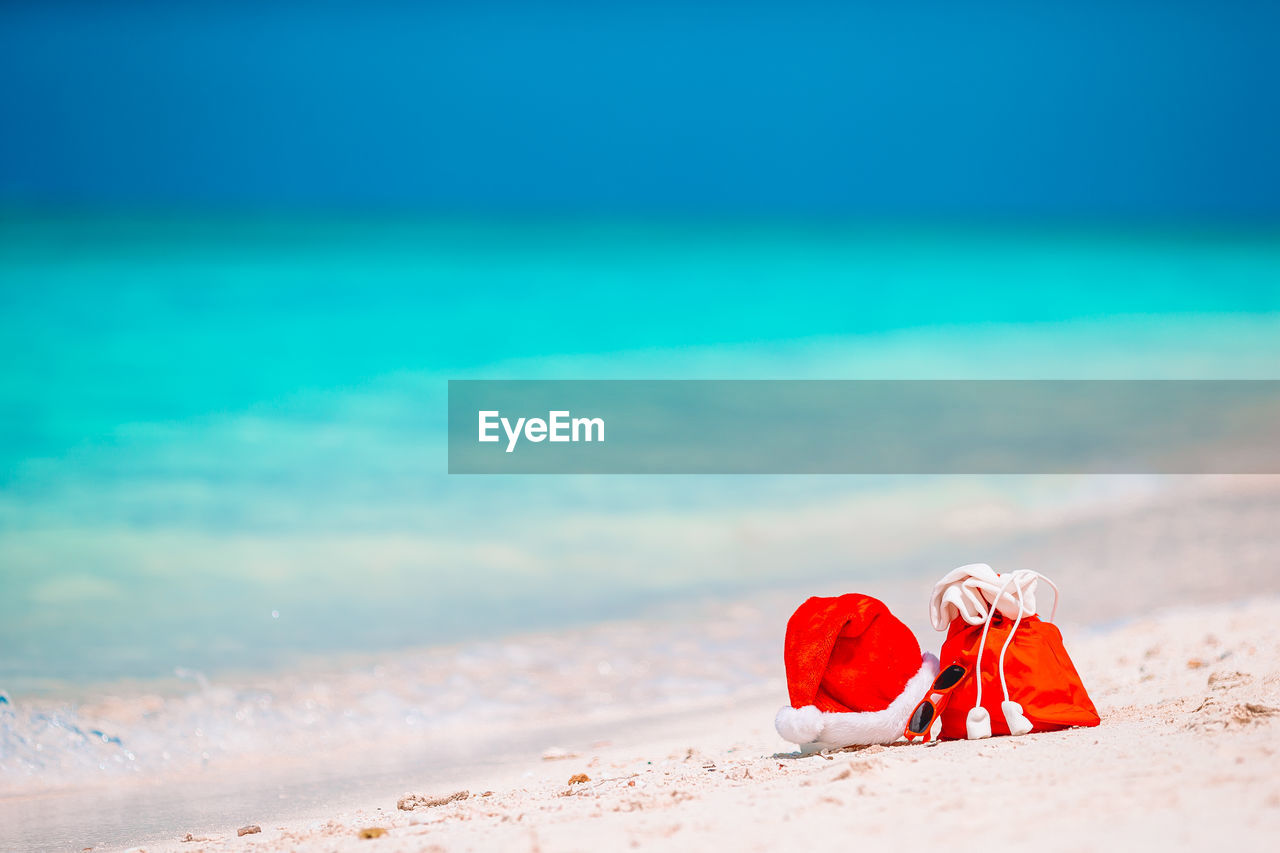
point(708, 678)
point(1189, 699)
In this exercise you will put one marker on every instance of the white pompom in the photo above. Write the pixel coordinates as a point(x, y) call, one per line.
point(978, 723)
point(799, 725)
point(1018, 722)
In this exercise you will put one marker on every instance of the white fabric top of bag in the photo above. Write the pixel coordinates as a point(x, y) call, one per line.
point(970, 591)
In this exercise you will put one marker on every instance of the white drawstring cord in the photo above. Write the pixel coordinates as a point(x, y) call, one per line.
point(982, 644)
point(978, 722)
point(1004, 685)
point(1013, 715)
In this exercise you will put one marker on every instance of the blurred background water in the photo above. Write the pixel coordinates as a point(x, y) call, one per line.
point(224, 441)
point(243, 247)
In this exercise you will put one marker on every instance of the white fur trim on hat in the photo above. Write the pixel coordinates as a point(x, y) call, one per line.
point(832, 730)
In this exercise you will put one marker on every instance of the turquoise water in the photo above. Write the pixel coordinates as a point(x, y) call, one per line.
point(222, 439)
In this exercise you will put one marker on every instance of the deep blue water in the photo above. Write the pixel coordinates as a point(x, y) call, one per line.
point(1105, 108)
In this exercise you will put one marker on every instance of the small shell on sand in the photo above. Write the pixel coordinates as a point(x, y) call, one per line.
point(373, 832)
point(409, 802)
point(248, 830)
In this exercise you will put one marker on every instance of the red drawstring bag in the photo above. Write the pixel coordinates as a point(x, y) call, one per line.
point(1019, 677)
point(1037, 670)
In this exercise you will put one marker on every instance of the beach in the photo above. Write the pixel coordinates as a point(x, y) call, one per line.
point(1169, 607)
point(433, 428)
point(1184, 759)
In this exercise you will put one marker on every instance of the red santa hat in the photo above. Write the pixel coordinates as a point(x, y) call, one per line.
point(854, 673)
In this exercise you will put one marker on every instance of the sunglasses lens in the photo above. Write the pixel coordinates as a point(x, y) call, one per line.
point(921, 719)
point(949, 677)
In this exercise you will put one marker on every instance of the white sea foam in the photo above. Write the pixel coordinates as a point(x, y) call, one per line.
point(611, 670)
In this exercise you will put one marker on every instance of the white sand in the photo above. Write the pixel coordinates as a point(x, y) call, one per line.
point(1184, 759)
